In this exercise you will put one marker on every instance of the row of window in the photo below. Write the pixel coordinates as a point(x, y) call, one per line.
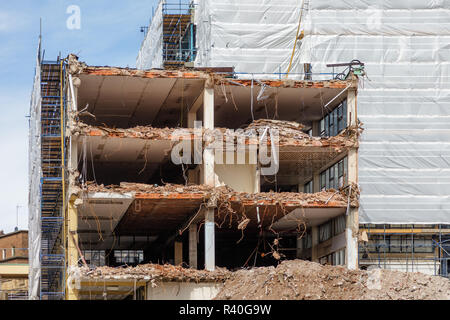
point(334, 177)
point(336, 258)
point(398, 244)
point(334, 122)
point(97, 258)
point(332, 228)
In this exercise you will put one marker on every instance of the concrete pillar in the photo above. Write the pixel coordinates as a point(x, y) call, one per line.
point(178, 254)
point(316, 182)
point(193, 245)
point(299, 247)
point(210, 258)
point(351, 237)
point(72, 240)
point(315, 243)
point(352, 227)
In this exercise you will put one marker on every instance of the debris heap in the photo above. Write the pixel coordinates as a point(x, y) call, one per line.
point(304, 280)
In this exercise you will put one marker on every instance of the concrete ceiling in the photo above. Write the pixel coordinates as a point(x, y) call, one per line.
point(124, 101)
point(312, 216)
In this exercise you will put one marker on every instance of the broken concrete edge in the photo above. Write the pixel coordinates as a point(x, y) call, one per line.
point(330, 198)
point(288, 135)
point(153, 273)
point(217, 78)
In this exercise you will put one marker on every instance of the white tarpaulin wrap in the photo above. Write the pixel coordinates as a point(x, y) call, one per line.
point(254, 36)
point(34, 197)
point(404, 156)
point(151, 53)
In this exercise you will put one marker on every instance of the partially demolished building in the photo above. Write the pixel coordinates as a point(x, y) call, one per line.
point(209, 156)
point(403, 101)
point(185, 167)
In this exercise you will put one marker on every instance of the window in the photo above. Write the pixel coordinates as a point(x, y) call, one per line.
point(129, 256)
point(325, 232)
point(13, 252)
point(94, 258)
point(334, 122)
point(4, 254)
point(332, 228)
point(338, 225)
point(308, 187)
point(307, 243)
point(334, 177)
point(400, 244)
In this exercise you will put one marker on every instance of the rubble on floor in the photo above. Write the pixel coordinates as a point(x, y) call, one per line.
point(304, 280)
point(153, 272)
point(290, 133)
point(225, 193)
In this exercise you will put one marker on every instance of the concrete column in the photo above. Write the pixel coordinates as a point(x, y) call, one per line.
point(72, 240)
point(316, 182)
point(299, 247)
point(178, 254)
point(352, 228)
point(351, 237)
point(208, 108)
point(193, 245)
point(210, 257)
point(315, 243)
point(192, 117)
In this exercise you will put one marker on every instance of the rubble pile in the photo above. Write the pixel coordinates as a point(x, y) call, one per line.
point(290, 134)
point(154, 272)
point(304, 280)
point(140, 132)
point(224, 193)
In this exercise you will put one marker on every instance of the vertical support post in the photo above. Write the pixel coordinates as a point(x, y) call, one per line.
point(208, 123)
point(210, 255)
point(315, 243)
point(178, 254)
point(72, 251)
point(209, 177)
point(299, 248)
point(352, 226)
point(193, 246)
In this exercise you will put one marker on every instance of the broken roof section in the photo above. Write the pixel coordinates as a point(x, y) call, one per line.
point(123, 97)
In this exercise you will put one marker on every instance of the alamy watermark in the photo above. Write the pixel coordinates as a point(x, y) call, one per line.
point(251, 146)
point(73, 22)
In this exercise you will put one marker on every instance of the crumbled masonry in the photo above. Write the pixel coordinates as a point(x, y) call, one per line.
point(78, 68)
point(290, 133)
point(304, 280)
point(338, 197)
point(154, 272)
point(290, 280)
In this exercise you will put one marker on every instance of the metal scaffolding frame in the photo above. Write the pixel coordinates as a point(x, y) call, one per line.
point(52, 185)
point(178, 34)
point(381, 253)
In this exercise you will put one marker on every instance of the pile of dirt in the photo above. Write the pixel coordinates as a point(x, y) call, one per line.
point(304, 280)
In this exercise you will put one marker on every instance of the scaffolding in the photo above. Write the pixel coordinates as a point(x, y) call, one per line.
point(178, 34)
point(52, 185)
point(407, 248)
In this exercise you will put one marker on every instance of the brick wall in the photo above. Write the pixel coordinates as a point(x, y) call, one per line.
point(17, 240)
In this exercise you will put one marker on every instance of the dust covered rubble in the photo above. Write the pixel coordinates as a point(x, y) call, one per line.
point(304, 280)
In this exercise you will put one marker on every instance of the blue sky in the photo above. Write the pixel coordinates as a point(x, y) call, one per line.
point(109, 35)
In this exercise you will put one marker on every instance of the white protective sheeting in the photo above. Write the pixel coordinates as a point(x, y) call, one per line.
point(151, 53)
point(34, 177)
point(404, 156)
point(254, 36)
